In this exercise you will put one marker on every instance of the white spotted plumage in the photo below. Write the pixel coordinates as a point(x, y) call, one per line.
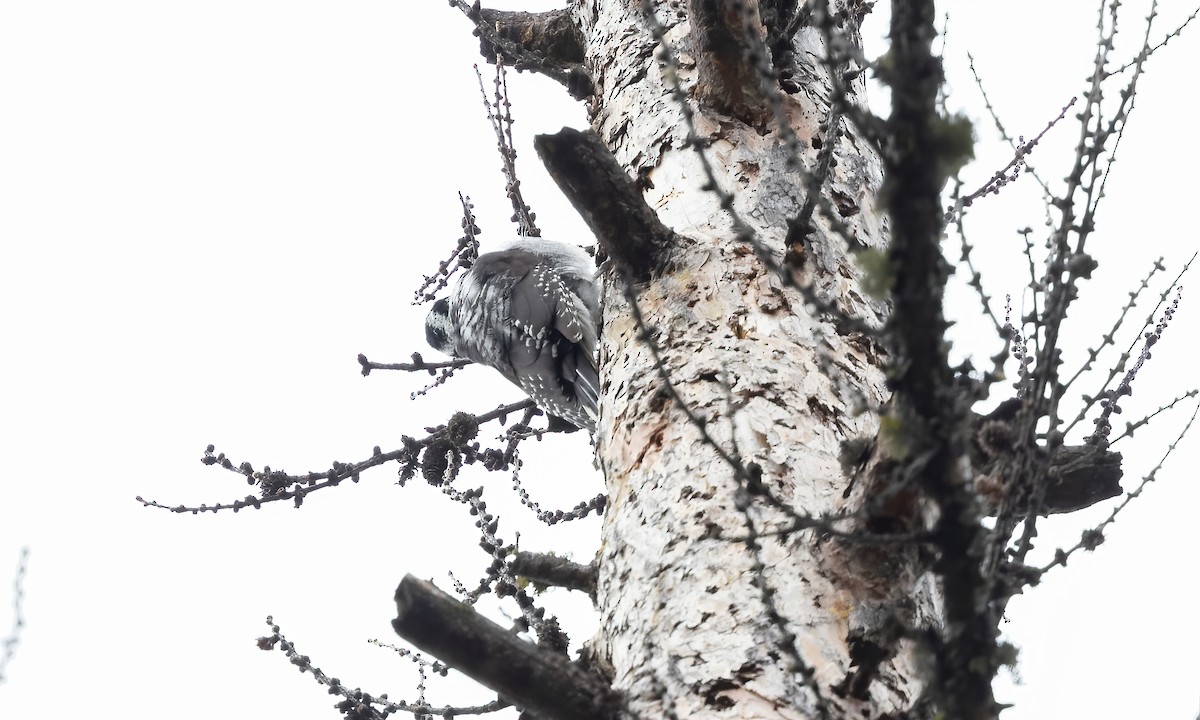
point(531, 311)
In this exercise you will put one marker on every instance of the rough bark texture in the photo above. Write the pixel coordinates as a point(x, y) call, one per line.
point(684, 624)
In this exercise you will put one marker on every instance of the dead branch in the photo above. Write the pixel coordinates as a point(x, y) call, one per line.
point(608, 200)
point(547, 43)
point(551, 34)
point(1085, 477)
point(555, 571)
point(531, 677)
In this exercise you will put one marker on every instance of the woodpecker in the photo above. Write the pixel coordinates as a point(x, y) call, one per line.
point(532, 311)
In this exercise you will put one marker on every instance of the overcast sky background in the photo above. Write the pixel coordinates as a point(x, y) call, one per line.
point(207, 210)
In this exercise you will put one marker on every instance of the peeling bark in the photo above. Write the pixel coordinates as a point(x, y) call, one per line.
point(685, 624)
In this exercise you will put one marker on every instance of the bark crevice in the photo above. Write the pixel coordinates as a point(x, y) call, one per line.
point(727, 37)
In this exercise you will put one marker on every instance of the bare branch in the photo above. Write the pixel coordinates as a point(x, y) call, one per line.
point(1111, 404)
point(551, 517)
point(995, 115)
point(555, 571)
point(499, 113)
point(800, 226)
point(1148, 50)
point(1089, 401)
point(788, 640)
point(976, 281)
point(729, 457)
point(462, 256)
point(1109, 338)
point(278, 485)
point(1130, 427)
point(1009, 172)
point(417, 365)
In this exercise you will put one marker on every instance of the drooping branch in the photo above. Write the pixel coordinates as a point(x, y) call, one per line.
point(725, 57)
point(533, 678)
point(610, 202)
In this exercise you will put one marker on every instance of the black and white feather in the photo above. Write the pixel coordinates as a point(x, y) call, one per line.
point(531, 311)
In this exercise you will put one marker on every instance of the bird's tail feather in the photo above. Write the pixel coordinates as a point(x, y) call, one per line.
point(587, 387)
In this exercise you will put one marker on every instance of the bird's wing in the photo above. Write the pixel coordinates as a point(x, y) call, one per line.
point(534, 318)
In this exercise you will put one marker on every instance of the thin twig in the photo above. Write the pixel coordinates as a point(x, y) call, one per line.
point(358, 704)
point(499, 114)
point(13, 639)
point(278, 485)
point(1009, 172)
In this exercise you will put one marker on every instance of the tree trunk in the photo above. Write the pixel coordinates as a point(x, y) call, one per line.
point(702, 615)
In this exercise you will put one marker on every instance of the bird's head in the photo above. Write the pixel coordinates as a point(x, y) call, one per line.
point(439, 332)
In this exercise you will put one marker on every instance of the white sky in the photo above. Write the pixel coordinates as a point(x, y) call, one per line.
point(207, 210)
